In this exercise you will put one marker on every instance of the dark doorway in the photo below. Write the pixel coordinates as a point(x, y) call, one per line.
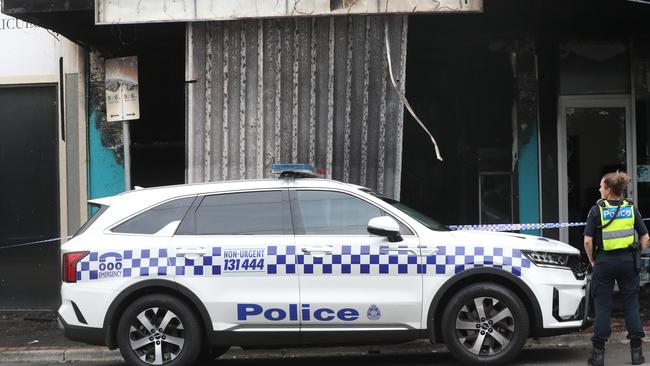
point(158, 137)
point(462, 88)
point(29, 195)
point(597, 143)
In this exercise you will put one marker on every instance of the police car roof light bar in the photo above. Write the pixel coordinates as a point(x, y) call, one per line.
point(296, 170)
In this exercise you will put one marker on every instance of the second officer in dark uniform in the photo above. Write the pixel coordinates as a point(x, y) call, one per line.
point(608, 241)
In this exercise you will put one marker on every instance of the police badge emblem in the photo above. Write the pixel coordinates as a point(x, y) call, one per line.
point(373, 312)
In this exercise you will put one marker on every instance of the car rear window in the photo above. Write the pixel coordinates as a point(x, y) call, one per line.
point(156, 218)
point(95, 212)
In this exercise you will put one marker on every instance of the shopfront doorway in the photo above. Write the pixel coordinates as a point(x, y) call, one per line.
point(595, 136)
point(29, 196)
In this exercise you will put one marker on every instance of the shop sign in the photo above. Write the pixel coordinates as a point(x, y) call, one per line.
point(122, 99)
point(138, 11)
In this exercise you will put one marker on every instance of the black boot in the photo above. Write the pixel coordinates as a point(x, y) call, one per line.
point(597, 357)
point(637, 355)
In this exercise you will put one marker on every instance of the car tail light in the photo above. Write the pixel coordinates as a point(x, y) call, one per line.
point(69, 265)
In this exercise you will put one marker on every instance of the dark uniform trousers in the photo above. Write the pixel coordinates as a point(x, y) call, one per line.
point(619, 268)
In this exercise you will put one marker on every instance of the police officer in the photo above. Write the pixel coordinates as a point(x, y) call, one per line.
point(610, 231)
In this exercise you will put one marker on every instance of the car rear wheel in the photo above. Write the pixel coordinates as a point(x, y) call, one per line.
point(159, 330)
point(485, 324)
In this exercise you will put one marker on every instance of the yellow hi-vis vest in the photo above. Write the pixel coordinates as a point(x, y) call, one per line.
point(620, 233)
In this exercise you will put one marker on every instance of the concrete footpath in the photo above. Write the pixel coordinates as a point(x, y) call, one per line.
point(35, 337)
point(102, 354)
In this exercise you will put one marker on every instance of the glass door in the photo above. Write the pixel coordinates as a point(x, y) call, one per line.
point(595, 137)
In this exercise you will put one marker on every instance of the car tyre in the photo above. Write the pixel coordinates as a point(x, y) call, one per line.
point(485, 324)
point(159, 330)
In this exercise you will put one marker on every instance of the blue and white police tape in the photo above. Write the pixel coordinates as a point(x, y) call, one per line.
point(34, 242)
point(515, 227)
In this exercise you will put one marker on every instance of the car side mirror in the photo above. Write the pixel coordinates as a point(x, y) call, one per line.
point(385, 226)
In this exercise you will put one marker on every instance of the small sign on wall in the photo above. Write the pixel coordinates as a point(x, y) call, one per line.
point(122, 99)
point(643, 173)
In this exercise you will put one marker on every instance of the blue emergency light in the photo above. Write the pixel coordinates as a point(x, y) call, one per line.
point(297, 170)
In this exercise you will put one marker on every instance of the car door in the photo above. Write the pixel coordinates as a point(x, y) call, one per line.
point(351, 280)
point(235, 252)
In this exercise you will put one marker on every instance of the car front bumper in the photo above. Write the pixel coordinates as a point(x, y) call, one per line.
point(563, 298)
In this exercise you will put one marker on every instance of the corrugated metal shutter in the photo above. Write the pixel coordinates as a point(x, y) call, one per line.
point(311, 90)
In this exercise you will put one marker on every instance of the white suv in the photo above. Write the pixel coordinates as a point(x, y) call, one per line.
point(173, 274)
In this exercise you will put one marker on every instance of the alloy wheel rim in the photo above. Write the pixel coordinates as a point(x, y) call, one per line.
point(485, 326)
point(157, 336)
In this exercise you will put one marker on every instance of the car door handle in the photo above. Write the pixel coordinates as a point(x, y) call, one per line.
point(429, 252)
point(410, 250)
point(327, 249)
point(183, 252)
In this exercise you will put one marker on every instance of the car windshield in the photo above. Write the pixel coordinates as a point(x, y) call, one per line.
point(417, 215)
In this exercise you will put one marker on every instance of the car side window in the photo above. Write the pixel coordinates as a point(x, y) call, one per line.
point(156, 218)
point(245, 213)
point(333, 213)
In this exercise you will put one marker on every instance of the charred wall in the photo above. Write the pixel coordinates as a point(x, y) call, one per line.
point(312, 90)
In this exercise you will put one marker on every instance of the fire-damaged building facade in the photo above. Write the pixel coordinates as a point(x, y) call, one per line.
point(530, 101)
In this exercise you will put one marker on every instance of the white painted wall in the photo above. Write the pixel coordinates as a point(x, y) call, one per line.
point(30, 55)
point(28, 52)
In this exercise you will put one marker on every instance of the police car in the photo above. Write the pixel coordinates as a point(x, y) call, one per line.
point(172, 274)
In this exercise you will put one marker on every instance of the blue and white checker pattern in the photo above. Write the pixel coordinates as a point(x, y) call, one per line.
point(455, 259)
point(207, 265)
point(344, 260)
point(281, 259)
point(133, 263)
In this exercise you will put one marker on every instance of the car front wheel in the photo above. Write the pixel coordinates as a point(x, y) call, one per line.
point(159, 330)
point(485, 324)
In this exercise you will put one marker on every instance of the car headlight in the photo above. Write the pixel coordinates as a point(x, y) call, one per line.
point(557, 260)
point(548, 259)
